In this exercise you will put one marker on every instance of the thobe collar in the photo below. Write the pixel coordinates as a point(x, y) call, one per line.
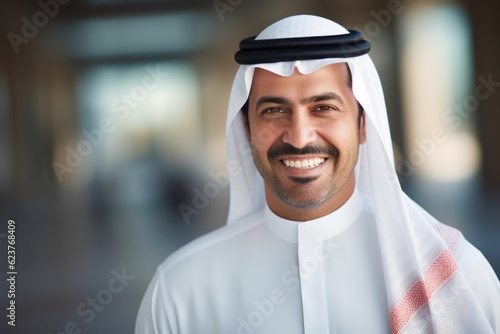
point(317, 229)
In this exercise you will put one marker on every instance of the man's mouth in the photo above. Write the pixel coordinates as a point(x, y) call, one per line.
point(304, 164)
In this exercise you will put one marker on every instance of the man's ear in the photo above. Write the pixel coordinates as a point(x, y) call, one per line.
point(362, 128)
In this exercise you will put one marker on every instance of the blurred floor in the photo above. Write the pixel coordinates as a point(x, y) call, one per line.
point(65, 255)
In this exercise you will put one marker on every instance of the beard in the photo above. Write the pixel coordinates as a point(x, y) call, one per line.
point(301, 193)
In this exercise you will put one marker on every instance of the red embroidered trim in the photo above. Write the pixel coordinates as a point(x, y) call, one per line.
point(420, 292)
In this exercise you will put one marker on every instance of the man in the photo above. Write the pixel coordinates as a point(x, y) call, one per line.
point(320, 237)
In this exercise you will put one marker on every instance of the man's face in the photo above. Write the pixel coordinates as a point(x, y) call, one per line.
point(305, 134)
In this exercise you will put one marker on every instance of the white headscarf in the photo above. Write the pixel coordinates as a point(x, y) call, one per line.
point(425, 287)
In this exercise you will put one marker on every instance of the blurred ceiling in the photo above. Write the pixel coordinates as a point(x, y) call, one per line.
point(104, 28)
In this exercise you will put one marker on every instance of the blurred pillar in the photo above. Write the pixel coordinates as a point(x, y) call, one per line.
point(485, 28)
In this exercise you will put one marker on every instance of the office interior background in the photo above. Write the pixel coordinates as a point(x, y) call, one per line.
point(112, 119)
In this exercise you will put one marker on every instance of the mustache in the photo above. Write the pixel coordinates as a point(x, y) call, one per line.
point(280, 149)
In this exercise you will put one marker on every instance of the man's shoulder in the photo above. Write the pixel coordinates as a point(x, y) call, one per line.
point(205, 248)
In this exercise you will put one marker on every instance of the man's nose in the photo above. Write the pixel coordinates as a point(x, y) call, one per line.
point(300, 131)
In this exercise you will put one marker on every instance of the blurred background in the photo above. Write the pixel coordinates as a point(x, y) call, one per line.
point(112, 123)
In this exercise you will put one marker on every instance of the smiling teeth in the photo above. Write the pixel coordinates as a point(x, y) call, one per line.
point(306, 163)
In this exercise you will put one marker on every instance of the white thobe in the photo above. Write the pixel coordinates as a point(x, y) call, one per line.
point(270, 275)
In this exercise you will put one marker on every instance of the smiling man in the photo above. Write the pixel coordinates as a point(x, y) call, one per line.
point(307, 161)
point(320, 237)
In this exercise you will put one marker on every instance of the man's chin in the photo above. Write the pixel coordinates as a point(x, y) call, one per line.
point(303, 196)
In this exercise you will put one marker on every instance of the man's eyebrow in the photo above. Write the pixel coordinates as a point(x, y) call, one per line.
point(272, 99)
point(323, 97)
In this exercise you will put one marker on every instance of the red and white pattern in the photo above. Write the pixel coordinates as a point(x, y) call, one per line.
point(437, 274)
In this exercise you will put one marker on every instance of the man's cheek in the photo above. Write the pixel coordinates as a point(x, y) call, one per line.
point(263, 137)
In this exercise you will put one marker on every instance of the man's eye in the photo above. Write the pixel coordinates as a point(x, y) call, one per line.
point(273, 111)
point(324, 108)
